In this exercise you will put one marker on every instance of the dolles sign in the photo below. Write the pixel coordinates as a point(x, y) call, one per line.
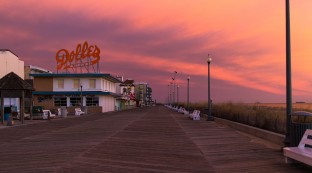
point(83, 56)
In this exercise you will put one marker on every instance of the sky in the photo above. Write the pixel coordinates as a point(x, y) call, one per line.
point(149, 40)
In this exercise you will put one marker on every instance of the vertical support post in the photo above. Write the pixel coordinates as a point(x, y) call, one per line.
point(22, 106)
point(178, 94)
point(188, 93)
point(168, 94)
point(2, 108)
point(173, 94)
point(288, 77)
point(81, 101)
point(174, 86)
point(209, 117)
point(31, 107)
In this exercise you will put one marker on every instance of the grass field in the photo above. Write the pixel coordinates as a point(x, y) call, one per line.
point(269, 116)
point(295, 106)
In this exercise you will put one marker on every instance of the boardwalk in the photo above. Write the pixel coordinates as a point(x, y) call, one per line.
point(142, 140)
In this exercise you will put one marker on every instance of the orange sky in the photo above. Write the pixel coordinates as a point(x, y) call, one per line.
point(148, 40)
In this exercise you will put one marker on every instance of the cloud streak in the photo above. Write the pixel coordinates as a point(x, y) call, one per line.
point(148, 41)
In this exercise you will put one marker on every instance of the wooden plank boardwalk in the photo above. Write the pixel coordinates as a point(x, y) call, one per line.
point(153, 139)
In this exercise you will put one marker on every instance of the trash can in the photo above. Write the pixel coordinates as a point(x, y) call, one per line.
point(7, 113)
point(63, 111)
point(85, 109)
point(301, 121)
point(10, 121)
point(6, 116)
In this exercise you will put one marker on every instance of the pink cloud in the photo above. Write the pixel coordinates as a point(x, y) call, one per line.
point(245, 38)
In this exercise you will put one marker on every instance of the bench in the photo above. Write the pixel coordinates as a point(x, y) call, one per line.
point(181, 110)
point(303, 152)
point(195, 115)
point(78, 112)
point(185, 112)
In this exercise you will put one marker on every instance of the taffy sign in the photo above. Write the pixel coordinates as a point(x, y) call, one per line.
point(84, 56)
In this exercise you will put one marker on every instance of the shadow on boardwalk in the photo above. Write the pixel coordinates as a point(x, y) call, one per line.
point(152, 139)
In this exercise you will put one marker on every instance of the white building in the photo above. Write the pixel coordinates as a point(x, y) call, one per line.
point(10, 63)
point(95, 91)
point(128, 97)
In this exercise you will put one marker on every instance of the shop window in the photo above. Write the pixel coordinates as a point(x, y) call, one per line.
point(75, 101)
point(92, 101)
point(76, 83)
point(92, 83)
point(60, 83)
point(60, 101)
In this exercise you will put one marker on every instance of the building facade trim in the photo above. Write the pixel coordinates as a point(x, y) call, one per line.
point(75, 93)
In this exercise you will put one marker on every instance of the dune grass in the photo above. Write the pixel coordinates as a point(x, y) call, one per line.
point(271, 117)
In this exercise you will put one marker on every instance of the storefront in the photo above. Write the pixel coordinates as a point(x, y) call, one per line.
point(95, 91)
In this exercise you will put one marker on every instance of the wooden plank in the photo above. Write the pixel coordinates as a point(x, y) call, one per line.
point(151, 139)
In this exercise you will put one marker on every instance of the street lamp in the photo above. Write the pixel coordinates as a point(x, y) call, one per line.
point(173, 79)
point(168, 94)
point(288, 77)
point(178, 94)
point(81, 102)
point(188, 93)
point(209, 117)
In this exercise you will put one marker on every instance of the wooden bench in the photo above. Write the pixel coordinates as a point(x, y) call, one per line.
point(195, 115)
point(78, 112)
point(303, 152)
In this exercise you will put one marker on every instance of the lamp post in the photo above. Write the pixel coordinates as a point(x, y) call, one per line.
point(209, 117)
point(173, 80)
point(168, 94)
point(188, 93)
point(81, 101)
point(178, 94)
point(173, 92)
point(288, 77)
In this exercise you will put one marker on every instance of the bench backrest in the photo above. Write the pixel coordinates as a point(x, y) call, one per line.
point(195, 112)
point(306, 139)
point(77, 109)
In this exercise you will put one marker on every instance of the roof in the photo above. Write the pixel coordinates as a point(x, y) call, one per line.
point(75, 93)
point(80, 75)
point(12, 81)
point(35, 68)
point(5, 50)
point(127, 82)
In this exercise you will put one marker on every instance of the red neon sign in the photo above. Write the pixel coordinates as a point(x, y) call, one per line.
point(83, 56)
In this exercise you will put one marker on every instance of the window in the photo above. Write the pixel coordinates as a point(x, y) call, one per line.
point(76, 83)
point(92, 101)
point(60, 101)
point(60, 83)
point(75, 101)
point(92, 83)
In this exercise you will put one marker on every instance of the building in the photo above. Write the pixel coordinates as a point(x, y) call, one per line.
point(127, 99)
point(30, 69)
point(14, 92)
point(94, 91)
point(10, 63)
point(143, 94)
point(149, 99)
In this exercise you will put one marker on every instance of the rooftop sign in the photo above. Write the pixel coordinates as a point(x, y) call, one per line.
point(84, 57)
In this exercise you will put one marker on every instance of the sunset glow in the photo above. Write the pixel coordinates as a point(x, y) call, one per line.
point(148, 40)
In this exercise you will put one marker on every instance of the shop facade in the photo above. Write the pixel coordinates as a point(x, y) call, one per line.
point(94, 91)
